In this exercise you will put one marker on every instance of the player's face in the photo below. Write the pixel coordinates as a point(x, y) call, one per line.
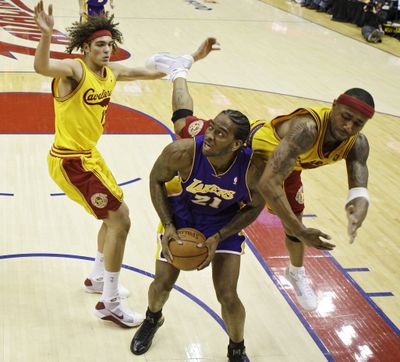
point(219, 138)
point(100, 50)
point(345, 121)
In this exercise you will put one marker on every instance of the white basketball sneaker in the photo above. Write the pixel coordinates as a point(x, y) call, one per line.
point(305, 295)
point(95, 285)
point(118, 313)
point(169, 63)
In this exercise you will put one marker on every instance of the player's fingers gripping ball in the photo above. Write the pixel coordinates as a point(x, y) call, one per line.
point(188, 256)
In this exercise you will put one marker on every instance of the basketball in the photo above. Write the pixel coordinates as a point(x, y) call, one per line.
point(188, 256)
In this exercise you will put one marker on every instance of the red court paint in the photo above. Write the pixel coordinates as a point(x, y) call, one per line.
point(346, 324)
point(33, 113)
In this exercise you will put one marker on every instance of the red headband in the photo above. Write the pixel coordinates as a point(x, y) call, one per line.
point(357, 104)
point(98, 34)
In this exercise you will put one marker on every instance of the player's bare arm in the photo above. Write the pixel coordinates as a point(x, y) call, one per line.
point(245, 216)
point(299, 138)
point(357, 173)
point(181, 98)
point(65, 68)
point(176, 158)
point(124, 73)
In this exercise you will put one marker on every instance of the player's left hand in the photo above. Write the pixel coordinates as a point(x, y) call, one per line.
point(206, 47)
point(356, 211)
point(211, 243)
point(44, 21)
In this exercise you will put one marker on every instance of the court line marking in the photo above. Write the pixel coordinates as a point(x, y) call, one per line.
point(187, 294)
point(285, 295)
point(365, 295)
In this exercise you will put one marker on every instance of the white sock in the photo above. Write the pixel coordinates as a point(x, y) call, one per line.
point(295, 269)
point(110, 289)
point(98, 267)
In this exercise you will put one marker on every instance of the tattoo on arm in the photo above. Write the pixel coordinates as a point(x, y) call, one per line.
point(356, 163)
point(300, 139)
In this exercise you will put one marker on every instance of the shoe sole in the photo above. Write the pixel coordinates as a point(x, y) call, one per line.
point(116, 320)
point(151, 342)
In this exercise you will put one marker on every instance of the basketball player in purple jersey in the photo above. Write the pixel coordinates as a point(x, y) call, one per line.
point(309, 138)
point(93, 8)
point(207, 183)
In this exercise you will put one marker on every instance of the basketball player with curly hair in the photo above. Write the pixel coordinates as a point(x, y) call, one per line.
point(82, 89)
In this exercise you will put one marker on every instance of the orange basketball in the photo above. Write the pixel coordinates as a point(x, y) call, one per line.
point(188, 256)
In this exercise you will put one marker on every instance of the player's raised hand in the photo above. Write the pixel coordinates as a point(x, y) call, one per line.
point(44, 21)
point(206, 47)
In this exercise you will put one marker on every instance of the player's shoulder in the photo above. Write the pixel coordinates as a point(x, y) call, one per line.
point(180, 150)
point(360, 149)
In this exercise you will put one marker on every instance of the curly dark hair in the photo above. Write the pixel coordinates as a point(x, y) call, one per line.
point(79, 32)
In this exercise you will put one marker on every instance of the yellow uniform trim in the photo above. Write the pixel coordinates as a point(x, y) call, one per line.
point(264, 140)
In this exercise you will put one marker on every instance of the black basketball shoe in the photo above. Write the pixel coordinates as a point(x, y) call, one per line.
point(143, 337)
point(237, 354)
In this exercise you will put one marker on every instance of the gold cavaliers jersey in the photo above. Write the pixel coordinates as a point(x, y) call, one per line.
point(263, 139)
point(80, 115)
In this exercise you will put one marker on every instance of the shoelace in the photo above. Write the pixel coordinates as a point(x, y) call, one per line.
point(303, 284)
point(147, 328)
point(236, 354)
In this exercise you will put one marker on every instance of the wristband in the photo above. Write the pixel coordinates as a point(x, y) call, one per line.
point(358, 192)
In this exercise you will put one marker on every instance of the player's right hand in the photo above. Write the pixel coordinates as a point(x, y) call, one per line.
point(314, 237)
point(211, 243)
point(169, 234)
point(44, 21)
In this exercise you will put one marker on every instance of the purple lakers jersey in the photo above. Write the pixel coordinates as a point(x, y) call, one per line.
point(208, 201)
point(96, 7)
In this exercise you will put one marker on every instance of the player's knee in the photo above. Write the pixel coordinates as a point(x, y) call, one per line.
point(227, 296)
point(162, 285)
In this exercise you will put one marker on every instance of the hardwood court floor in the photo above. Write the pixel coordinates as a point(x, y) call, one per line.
point(271, 62)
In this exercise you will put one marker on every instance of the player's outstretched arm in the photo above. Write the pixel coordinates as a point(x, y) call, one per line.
point(357, 173)
point(124, 73)
point(300, 137)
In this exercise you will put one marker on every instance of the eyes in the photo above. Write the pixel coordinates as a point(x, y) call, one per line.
point(218, 132)
point(348, 117)
point(101, 44)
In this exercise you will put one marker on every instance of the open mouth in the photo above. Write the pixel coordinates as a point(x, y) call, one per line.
point(206, 146)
